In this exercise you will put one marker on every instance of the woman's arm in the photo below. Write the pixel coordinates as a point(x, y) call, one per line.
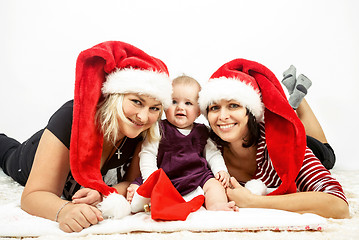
point(41, 196)
point(320, 203)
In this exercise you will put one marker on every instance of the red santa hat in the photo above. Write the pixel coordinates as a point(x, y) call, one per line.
point(107, 68)
point(166, 202)
point(258, 89)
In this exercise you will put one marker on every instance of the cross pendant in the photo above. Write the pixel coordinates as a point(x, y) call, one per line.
point(118, 154)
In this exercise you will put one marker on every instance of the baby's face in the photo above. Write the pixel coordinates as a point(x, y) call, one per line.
point(184, 109)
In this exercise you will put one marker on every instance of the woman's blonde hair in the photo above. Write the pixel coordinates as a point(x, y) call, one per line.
point(109, 113)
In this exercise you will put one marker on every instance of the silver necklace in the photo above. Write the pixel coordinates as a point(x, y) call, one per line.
point(118, 153)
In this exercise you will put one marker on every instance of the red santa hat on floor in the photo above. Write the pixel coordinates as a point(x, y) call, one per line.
point(108, 68)
point(166, 202)
point(258, 89)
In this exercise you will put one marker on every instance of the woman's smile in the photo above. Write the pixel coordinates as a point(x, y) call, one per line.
point(137, 124)
point(226, 126)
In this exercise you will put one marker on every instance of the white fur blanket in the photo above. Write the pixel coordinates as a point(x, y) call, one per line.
point(248, 222)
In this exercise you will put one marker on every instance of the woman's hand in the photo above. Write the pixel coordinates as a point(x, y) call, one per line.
point(223, 178)
point(88, 196)
point(239, 194)
point(320, 203)
point(75, 217)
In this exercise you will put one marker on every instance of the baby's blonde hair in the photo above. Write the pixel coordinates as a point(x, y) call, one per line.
point(110, 112)
point(186, 80)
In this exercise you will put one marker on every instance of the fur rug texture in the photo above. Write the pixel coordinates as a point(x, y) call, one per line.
point(247, 224)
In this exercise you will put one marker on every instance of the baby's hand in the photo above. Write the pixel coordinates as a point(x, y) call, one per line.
point(223, 177)
point(131, 191)
point(88, 196)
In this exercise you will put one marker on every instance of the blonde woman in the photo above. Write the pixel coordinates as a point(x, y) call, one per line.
point(91, 142)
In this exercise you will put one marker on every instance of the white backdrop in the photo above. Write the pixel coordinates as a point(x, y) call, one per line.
point(40, 41)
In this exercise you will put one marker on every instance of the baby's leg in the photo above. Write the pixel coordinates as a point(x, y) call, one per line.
point(216, 198)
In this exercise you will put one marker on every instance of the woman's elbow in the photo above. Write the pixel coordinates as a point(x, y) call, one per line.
point(23, 203)
point(341, 210)
point(344, 211)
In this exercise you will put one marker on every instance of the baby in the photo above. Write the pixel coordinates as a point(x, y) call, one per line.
point(186, 153)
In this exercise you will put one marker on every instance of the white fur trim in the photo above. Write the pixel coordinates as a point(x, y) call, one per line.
point(257, 187)
point(114, 206)
point(197, 192)
point(138, 203)
point(231, 89)
point(130, 80)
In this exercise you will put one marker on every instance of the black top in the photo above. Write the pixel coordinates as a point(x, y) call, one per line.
point(113, 172)
point(60, 123)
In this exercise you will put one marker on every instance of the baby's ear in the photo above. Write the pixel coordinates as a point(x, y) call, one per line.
point(199, 112)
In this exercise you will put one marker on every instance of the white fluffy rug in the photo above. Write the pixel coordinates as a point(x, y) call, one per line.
point(269, 224)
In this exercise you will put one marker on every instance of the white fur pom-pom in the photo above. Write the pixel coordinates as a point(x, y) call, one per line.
point(114, 206)
point(138, 203)
point(256, 187)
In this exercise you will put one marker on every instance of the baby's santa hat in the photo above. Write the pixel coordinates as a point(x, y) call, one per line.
point(166, 202)
point(258, 89)
point(108, 68)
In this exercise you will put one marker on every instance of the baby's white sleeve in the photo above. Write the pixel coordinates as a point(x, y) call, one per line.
point(214, 157)
point(148, 158)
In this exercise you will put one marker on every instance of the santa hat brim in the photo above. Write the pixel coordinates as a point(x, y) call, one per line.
point(129, 80)
point(231, 89)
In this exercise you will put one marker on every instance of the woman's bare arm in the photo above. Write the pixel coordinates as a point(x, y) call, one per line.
point(320, 203)
point(41, 196)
